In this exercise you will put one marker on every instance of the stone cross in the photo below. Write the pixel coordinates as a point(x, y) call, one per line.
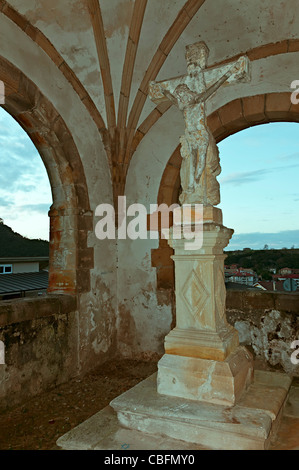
point(200, 165)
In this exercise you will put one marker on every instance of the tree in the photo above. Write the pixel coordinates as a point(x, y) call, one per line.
point(266, 275)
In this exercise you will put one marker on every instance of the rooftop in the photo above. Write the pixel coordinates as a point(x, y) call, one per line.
point(17, 283)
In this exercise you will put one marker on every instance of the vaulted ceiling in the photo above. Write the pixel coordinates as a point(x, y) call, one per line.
point(110, 49)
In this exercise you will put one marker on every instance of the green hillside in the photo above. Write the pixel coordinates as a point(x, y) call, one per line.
point(262, 261)
point(13, 244)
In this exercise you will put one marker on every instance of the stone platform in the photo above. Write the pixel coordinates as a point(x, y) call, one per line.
point(144, 419)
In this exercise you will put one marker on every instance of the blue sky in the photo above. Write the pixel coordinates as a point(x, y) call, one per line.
point(25, 193)
point(259, 184)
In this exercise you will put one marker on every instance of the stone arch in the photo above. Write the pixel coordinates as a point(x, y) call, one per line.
point(233, 117)
point(70, 215)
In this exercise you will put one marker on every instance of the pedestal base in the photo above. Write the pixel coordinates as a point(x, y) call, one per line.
point(220, 382)
point(204, 344)
point(148, 420)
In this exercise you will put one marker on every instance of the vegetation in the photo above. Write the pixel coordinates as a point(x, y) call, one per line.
point(264, 261)
point(13, 244)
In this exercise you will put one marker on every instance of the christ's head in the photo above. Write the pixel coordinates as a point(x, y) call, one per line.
point(197, 56)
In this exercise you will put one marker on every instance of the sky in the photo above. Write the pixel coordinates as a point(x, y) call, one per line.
point(259, 184)
point(25, 192)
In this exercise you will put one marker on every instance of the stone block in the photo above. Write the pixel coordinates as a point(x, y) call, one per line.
point(217, 382)
point(202, 344)
point(254, 108)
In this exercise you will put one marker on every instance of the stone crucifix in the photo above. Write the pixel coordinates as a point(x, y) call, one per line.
point(200, 164)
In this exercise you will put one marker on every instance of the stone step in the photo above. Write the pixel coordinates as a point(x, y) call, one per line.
point(144, 419)
point(103, 432)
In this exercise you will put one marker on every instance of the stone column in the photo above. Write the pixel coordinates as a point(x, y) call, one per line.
point(203, 359)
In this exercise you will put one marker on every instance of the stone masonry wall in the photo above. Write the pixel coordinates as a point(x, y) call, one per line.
point(40, 337)
point(268, 323)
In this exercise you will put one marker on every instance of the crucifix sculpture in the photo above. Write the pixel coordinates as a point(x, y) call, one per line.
point(203, 359)
point(200, 165)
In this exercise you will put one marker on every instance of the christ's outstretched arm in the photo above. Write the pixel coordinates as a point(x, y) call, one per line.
point(156, 90)
point(237, 70)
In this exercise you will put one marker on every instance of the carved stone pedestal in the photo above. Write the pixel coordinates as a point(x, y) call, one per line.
point(203, 360)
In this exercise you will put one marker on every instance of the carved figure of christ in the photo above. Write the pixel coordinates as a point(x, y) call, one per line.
point(190, 93)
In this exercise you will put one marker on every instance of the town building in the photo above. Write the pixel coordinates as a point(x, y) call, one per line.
point(240, 275)
point(290, 275)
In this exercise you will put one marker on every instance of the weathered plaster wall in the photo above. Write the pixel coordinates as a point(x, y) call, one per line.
point(97, 332)
point(144, 316)
point(40, 336)
point(68, 27)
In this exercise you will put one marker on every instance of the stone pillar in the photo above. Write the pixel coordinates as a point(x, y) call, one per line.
point(203, 359)
point(63, 252)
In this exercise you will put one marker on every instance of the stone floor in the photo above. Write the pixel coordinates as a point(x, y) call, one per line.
point(38, 423)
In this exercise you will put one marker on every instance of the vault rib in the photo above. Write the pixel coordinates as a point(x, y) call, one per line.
point(182, 20)
point(44, 43)
point(128, 68)
point(101, 45)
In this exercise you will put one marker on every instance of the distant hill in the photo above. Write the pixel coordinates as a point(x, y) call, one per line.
point(257, 240)
point(13, 244)
point(262, 261)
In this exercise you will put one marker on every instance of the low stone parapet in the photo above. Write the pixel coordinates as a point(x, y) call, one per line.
point(40, 338)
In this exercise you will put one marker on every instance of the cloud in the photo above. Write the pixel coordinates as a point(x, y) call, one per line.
point(292, 156)
point(257, 240)
point(18, 164)
point(5, 200)
point(244, 177)
point(21, 168)
point(41, 208)
point(25, 193)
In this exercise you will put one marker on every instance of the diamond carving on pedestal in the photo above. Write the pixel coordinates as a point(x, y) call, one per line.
point(220, 295)
point(194, 294)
